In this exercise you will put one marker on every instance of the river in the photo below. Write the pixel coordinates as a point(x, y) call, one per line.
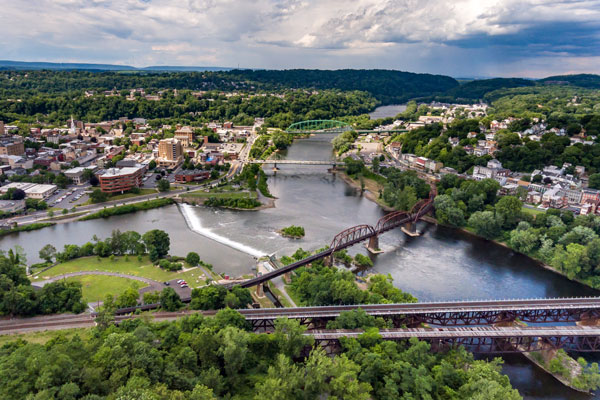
point(387, 111)
point(441, 264)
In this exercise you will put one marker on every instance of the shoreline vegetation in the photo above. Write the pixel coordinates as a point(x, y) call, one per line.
point(26, 228)
point(129, 208)
point(367, 192)
point(293, 232)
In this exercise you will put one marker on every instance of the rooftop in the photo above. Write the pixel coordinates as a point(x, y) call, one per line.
point(112, 172)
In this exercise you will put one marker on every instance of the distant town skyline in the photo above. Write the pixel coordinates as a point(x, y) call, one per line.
point(532, 38)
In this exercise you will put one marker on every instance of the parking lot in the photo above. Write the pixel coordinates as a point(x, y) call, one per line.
point(69, 197)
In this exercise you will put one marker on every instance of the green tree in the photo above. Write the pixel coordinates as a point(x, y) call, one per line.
point(594, 181)
point(47, 253)
point(169, 299)
point(157, 242)
point(485, 224)
point(508, 208)
point(164, 185)
point(98, 196)
point(524, 240)
point(192, 258)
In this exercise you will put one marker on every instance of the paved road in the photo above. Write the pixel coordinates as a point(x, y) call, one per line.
point(97, 207)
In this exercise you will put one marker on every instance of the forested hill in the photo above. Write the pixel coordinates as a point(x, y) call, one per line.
point(387, 86)
point(477, 89)
point(589, 81)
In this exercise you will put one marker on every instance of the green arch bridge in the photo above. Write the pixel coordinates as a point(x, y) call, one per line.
point(332, 126)
point(319, 125)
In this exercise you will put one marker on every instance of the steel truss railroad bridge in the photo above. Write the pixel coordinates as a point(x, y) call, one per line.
point(444, 314)
point(472, 324)
point(357, 234)
point(482, 326)
point(480, 339)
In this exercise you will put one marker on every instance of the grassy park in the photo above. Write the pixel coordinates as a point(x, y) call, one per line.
point(532, 211)
point(129, 266)
point(96, 287)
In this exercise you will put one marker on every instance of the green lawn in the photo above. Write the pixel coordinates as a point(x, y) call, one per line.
point(96, 287)
point(123, 196)
point(228, 195)
point(532, 211)
point(134, 267)
point(45, 336)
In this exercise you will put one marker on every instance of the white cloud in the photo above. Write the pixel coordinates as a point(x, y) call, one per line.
point(426, 35)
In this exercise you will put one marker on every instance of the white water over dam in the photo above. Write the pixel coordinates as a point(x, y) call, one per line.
point(195, 224)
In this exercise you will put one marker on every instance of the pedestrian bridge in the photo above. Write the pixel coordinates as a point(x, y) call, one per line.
point(294, 162)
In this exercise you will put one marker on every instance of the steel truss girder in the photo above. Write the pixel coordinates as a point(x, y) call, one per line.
point(350, 236)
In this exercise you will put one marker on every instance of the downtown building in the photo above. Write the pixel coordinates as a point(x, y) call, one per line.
point(119, 180)
point(170, 153)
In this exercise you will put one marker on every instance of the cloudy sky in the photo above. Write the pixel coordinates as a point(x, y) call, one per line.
point(531, 38)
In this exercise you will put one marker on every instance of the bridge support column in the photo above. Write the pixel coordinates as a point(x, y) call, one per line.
point(373, 245)
point(275, 169)
point(287, 277)
point(410, 228)
point(328, 261)
point(260, 290)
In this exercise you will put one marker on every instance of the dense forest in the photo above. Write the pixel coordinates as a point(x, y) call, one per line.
point(386, 85)
point(201, 358)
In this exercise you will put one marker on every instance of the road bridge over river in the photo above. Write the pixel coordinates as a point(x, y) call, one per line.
point(294, 162)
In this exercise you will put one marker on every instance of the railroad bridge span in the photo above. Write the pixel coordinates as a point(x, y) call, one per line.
point(455, 313)
point(357, 234)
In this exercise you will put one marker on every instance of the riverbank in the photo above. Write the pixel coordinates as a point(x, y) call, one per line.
point(371, 186)
point(540, 263)
point(193, 199)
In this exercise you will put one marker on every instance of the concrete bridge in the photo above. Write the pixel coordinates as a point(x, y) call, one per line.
point(294, 162)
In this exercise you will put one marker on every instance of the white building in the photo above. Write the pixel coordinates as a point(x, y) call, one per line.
point(32, 190)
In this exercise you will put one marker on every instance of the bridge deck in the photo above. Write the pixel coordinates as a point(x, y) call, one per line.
point(422, 308)
point(298, 162)
point(465, 332)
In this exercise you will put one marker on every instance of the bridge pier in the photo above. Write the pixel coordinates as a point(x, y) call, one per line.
point(287, 277)
point(373, 245)
point(410, 228)
point(260, 290)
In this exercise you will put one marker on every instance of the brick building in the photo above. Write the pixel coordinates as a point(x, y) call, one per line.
point(119, 180)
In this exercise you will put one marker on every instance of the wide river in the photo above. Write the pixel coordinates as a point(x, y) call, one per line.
point(441, 264)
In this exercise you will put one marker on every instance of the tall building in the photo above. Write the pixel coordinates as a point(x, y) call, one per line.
point(170, 153)
point(185, 135)
point(1, 128)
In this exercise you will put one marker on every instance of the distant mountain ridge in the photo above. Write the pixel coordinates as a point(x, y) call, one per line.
point(388, 86)
point(24, 65)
